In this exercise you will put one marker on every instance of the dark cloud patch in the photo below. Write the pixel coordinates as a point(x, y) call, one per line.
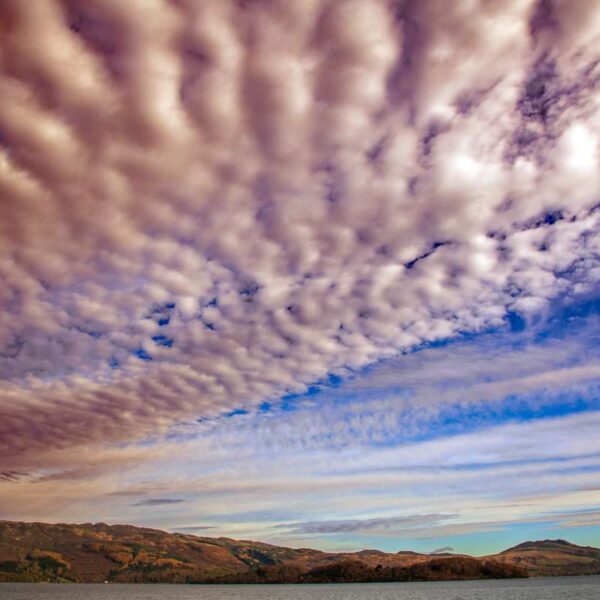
point(391, 524)
point(159, 501)
point(193, 528)
point(124, 494)
point(541, 92)
point(550, 101)
point(411, 263)
point(11, 476)
point(543, 18)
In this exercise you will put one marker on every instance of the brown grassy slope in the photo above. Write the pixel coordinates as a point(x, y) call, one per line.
point(95, 552)
point(552, 557)
point(99, 552)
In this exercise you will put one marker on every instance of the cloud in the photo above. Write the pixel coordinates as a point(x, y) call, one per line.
point(589, 518)
point(389, 525)
point(159, 501)
point(194, 528)
point(10, 476)
point(457, 387)
point(220, 203)
point(442, 550)
point(387, 496)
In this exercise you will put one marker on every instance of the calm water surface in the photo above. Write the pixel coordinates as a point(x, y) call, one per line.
point(557, 588)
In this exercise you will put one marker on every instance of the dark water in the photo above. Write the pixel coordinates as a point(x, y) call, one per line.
point(557, 588)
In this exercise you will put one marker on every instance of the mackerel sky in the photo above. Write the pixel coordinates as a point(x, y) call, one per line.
point(320, 273)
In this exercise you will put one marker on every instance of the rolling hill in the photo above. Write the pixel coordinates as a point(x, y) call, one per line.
point(124, 553)
point(552, 557)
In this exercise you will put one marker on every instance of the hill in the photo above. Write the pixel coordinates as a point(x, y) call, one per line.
point(99, 552)
point(552, 557)
point(351, 570)
point(123, 553)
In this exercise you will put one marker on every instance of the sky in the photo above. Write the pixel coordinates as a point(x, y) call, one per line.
point(320, 273)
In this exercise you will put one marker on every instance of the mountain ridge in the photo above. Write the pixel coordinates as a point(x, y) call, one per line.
point(94, 552)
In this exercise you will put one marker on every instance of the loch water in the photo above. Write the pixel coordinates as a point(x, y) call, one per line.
point(555, 588)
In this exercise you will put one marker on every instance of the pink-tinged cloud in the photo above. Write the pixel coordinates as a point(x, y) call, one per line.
point(205, 205)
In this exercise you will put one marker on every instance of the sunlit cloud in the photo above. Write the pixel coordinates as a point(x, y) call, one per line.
point(339, 239)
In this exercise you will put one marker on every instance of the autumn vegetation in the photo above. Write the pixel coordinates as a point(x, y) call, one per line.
point(123, 553)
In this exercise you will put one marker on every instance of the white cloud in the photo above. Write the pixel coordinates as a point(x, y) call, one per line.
point(542, 472)
point(277, 189)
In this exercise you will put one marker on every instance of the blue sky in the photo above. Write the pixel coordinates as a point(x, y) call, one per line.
point(315, 273)
point(475, 443)
point(511, 382)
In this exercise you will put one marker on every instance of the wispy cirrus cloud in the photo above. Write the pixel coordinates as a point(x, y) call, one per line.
point(391, 525)
point(485, 481)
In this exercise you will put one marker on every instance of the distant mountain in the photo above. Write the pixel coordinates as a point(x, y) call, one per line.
point(100, 552)
point(552, 557)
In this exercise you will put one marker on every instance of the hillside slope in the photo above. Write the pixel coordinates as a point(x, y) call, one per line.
point(351, 570)
point(99, 552)
point(552, 557)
